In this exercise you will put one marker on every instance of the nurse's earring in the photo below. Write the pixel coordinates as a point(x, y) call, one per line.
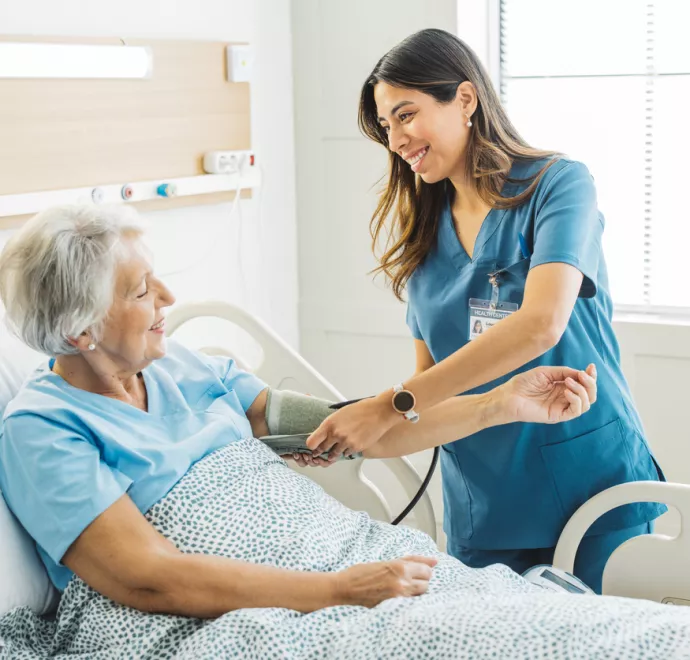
point(92, 347)
point(469, 121)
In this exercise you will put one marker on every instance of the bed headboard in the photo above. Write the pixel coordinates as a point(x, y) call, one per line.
point(346, 480)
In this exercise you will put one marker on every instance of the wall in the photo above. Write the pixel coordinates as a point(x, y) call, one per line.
point(655, 355)
point(352, 329)
point(204, 242)
point(346, 320)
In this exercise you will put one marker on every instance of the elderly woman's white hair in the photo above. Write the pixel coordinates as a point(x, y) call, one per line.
point(57, 273)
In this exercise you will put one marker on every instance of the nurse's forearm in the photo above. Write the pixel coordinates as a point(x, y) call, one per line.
point(457, 417)
point(551, 291)
point(507, 346)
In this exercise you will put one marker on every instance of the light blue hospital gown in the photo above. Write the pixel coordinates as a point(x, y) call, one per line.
point(66, 455)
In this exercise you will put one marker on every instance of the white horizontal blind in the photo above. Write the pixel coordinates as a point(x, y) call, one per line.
point(607, 82)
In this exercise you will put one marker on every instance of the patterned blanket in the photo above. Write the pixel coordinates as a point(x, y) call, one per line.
point(244, 502)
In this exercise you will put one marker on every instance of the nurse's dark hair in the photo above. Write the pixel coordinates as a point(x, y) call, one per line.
point(436, 62)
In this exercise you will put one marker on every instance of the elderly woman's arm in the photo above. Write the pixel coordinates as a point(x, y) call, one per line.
point(124, 558)
point(256, 414)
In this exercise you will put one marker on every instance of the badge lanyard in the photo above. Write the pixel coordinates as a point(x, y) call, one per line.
point(483, 314)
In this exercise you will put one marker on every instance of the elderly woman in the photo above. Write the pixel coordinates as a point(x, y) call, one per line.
point(133, 462)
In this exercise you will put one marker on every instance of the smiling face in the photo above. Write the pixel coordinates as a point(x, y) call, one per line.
point(431, 137)
point(134, 331)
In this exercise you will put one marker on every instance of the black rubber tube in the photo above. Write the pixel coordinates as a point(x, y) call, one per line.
point(422, 489)
point(425, 484)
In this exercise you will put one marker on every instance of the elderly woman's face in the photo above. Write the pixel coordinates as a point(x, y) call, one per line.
point(134, 332)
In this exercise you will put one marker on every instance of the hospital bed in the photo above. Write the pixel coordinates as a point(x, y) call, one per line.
point(655, 567)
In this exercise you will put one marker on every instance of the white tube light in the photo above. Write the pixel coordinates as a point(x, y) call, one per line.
point(37, 60)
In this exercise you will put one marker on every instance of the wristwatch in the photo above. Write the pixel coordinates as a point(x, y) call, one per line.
point(404, 402)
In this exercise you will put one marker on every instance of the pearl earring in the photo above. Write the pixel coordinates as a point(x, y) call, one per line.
point(469, 121)
point(92, 347)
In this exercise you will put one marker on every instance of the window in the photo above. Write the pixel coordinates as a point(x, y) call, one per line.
point(607, 82)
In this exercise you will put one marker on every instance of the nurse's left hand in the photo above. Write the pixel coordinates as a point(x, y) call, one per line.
point(549, 395)
point(353, 428)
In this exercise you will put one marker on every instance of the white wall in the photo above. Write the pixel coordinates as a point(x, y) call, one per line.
point(180, 238)
point(352, 329)
point(655, 355)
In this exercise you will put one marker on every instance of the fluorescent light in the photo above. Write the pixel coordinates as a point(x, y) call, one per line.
point(34, 60)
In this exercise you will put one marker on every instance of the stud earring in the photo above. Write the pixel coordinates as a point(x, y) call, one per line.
point(92, 347)
point(469, 121)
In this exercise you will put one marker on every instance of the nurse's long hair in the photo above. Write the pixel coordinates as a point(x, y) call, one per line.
point(436, 62)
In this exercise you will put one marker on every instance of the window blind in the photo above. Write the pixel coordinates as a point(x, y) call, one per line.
point(607, 82)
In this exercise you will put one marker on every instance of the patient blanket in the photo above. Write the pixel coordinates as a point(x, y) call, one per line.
point(244, 502)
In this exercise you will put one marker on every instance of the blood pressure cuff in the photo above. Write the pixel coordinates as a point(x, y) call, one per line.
point(291, 417)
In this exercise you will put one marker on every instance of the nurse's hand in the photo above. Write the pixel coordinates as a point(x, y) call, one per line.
point(353, 429)
point(548, 395)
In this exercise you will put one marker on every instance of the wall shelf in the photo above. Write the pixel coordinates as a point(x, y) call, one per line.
point(142, 191)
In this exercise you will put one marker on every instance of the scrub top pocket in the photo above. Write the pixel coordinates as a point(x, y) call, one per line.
point(586, 465)
point(511, 281)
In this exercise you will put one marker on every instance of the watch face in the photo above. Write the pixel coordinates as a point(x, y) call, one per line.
point(403, 401)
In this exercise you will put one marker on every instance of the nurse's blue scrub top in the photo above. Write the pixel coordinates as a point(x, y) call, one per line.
point(515, 486)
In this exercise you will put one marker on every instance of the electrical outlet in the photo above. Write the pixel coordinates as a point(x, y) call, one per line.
point(228, 162)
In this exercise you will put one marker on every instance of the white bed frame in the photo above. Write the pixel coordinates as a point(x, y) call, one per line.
point(279, 364)
point(652, 566)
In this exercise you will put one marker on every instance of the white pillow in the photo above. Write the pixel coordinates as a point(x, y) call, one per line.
point(23, 578)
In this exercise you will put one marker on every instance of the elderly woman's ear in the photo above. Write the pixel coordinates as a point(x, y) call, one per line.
point(84, 342)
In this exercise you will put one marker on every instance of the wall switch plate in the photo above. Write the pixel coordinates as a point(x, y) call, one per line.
point(240, 59)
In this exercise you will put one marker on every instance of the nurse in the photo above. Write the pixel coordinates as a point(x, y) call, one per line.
point(480, 226)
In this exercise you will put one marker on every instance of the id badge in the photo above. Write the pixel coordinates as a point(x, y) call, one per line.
point(484, 315)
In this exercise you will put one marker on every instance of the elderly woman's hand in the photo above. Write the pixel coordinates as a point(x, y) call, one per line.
point(309, 460)
point(371, 584)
